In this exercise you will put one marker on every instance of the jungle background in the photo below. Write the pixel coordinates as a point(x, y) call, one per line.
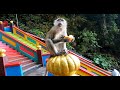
point(97, 36)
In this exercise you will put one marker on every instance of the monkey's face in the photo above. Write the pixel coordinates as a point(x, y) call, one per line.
point(60, 22)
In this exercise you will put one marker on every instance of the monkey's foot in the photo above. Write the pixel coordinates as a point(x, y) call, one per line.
point(65, 52)
point(59, 54)
point(52, 56)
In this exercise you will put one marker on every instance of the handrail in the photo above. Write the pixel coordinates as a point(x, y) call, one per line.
point(41, 39)
point(17, 40)
point(38, 41)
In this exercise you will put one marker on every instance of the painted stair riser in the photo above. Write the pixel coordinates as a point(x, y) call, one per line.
point(14, 71)
point(27, 42)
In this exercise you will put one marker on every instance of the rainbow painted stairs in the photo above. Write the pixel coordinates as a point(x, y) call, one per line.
point(16, 58)
point(24, 55)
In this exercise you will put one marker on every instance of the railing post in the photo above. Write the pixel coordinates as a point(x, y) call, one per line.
point(3, 61)
point(1, 26)
point(11, 26)
point(39, 54)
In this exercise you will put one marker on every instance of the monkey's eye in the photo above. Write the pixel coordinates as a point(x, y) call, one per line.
point(58, 19)
point(62, 20)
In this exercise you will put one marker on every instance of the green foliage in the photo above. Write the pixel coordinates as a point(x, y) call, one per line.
point(38, 32)
point(105, 61)
point(69, 46)
point(88, 41)
point(92, 32)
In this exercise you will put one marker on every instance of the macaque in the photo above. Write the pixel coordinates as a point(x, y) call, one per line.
point(57, 38)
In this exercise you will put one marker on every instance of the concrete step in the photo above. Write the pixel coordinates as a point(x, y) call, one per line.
point(40, 71)
point(26, 66)
point(26, 62)
point(31, 69)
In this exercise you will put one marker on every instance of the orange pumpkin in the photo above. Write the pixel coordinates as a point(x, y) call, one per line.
point(64, 65)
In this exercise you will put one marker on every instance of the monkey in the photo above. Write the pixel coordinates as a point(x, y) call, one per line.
point(55, 38)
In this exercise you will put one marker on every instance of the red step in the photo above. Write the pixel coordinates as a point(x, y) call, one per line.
point(12, 53)
point(6, 47)
point(18, 59)
point(15, 56)
point(2, 45)
point(11, 50)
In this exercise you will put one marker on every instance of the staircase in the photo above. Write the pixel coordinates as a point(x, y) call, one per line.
point(29, 67)
point(13, 56)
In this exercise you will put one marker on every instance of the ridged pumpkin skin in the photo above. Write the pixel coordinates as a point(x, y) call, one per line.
point(64, 65)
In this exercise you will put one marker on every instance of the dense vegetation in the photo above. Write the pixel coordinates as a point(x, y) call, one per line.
point(97, 35)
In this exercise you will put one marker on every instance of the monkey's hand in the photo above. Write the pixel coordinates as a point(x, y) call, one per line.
point(69, 38)
point(64, 39)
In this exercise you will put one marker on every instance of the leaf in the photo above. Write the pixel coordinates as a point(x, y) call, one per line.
point(104, 64)
point(84, 34)
point(97, 62)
